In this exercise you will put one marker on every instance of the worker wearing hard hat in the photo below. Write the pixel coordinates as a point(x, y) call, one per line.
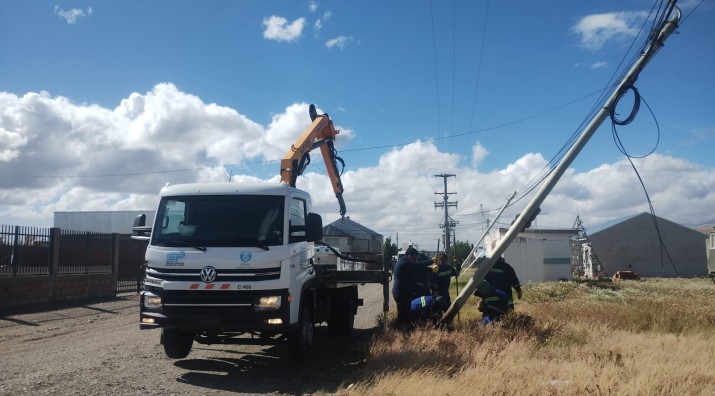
point(443, 274)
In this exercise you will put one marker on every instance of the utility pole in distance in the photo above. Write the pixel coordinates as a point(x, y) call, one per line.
point(448, 222)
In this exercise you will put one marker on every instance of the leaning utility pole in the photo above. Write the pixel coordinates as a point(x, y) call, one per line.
point(532, 208)
point(448, 223)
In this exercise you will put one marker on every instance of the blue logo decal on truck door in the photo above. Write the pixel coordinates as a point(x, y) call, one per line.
point(246, 256)
point(174, 259)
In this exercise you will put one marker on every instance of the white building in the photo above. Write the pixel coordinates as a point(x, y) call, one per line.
point(537, 255)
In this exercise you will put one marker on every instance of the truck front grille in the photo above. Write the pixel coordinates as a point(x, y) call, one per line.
point(222, 275)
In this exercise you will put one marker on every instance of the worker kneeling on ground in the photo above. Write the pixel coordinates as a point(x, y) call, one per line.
point(427, 308)
point(495, 302)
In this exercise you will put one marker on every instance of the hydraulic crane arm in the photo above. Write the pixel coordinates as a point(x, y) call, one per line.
point(321, 133)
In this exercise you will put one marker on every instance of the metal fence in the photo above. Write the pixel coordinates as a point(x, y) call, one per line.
point(27, 251)
point(24, 251)
point(130, 275)
point(85, 253)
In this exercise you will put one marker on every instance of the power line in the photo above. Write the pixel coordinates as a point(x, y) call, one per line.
point(479, 64)
point(434, 55)
point(268, 162)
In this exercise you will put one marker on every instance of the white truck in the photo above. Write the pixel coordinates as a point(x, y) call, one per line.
point(233, 262)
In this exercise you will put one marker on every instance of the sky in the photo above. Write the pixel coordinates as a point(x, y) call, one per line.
point(102, 103)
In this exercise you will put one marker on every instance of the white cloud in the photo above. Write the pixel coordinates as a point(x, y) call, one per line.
point(278, 29)
point(73, 15)
point(313, 6)
point(596, 30)
point(340, 42)
point(55, 144)
point(478, 154)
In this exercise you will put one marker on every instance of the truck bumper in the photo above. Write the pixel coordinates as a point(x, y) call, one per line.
point(214, 310)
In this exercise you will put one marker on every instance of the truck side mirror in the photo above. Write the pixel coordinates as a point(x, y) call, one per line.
point(313, 227)
point(140, 230)
point(140, 220)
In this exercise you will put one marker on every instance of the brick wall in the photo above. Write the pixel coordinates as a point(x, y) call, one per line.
point(31, 290)
point(39, 289)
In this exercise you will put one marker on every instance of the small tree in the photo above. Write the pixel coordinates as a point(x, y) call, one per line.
point(389, 249)
point(459, 251)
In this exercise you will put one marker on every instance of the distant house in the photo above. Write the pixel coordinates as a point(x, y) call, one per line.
point(632, 244)
point(537, 255)
point(119, 222)
point(354, 239)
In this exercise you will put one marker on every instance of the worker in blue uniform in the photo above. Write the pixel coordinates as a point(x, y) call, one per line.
point(427, 308)
point(403, 284)
point(443, 277)
point(503, 277)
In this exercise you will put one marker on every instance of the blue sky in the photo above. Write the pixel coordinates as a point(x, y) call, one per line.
point(103, 102)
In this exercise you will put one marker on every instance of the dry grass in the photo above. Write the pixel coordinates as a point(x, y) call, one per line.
point(652, 337)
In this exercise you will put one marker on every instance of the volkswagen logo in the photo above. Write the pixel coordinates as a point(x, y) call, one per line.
point(208, 274)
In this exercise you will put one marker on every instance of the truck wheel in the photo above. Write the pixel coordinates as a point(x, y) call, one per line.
point(177, 343)
point(342, 318)
point(300, 340)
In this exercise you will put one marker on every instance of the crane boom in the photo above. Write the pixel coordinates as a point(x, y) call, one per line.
point(321, 133)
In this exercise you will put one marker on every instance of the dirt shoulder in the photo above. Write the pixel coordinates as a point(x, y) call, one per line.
point(97, 348)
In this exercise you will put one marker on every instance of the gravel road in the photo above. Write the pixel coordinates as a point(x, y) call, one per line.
point(98, 349)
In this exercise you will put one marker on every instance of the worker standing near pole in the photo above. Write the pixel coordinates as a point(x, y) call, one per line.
point(444, 275)
point(503, 277)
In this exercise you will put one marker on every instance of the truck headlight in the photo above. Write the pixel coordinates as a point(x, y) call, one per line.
point(268, 303)
point(151, 301)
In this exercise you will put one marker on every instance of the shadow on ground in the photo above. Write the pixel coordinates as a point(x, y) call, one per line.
point(333, 361)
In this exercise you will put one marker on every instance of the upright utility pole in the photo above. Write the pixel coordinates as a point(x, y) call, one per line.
point(448, 223)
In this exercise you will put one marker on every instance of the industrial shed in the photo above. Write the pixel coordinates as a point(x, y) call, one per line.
point(354, 239)
point(119, 222)
point(538, 255)
point(632, 244)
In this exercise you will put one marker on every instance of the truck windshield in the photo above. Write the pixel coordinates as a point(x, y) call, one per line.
point(219, 220)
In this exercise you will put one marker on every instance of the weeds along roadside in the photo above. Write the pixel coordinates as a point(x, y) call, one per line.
point(659, 305)
point(634, 337)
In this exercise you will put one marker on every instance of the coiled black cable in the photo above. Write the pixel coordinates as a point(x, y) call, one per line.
point(634, 110)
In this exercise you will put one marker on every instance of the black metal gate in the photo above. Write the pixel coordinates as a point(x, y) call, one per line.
point(130, 275)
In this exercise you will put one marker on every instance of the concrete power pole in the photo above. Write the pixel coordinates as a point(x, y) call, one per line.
point(448, 222)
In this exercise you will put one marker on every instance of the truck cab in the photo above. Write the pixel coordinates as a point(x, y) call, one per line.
point(230, 258)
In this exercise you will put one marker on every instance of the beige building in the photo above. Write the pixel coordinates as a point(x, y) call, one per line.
point(537, 255)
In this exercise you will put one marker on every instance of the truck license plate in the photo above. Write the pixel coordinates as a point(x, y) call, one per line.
point(244, 286)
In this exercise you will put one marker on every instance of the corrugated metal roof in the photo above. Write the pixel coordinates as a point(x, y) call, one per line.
point(611, 223)
point(347, 227)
